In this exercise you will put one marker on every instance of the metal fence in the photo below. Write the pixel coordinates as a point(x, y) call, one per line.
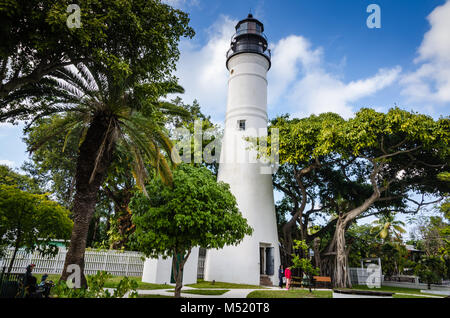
point(116, 263)
point(201, 263)
point(11, 285)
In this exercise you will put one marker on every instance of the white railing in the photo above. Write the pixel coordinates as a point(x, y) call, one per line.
point(116, 263)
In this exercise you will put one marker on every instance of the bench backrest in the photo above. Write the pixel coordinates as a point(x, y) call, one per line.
point(322, 279)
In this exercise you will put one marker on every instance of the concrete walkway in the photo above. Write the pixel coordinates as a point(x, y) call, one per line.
point(232, 293)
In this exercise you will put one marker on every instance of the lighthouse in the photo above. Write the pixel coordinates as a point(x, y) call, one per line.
point(256, 259)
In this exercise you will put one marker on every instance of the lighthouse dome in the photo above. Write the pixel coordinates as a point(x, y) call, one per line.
point(249, 38)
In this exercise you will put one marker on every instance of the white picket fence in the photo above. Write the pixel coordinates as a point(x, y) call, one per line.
point(116, 263)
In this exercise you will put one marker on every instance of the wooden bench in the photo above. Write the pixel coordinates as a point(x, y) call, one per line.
point(322, 281)
point(296, 281)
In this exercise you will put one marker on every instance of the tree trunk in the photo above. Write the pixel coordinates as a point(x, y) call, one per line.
point(316, 248)
point(178, 271)
point(11, 263)
point(178, 275)
point(341, 268)
point(125, 226)
point(99, 136)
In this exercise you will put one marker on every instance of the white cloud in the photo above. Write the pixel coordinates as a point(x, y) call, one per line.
point(430, 82)
point(298, 77)
point(8, 163)
point(298, 80)
point(202, 70)
point(288, 55)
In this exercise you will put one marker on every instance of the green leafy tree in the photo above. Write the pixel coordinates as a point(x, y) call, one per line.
point(364, 244)
point(430, 269)
point(23, 182)
point(304, 263)
point(107, 114)
point(195, 211)
point(430, 230)
point(136, 37)
point(31, 221)
point(393, 154)
point(445, 231)
point(204, 143)
point(393, 258)
point(387, 228)
point(56, 172)
point(112, 91)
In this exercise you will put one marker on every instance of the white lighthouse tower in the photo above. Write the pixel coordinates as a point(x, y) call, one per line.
point(256, 259)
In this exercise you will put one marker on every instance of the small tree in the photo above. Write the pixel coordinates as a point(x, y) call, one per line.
point(430, 269)
point(393, 257)
point(31, 221)
point(304, 264)
point(195, 211)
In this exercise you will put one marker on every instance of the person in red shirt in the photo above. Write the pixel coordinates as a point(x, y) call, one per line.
point(287, 274)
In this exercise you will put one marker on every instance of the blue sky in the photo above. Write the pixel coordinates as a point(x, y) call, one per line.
point(325, 58)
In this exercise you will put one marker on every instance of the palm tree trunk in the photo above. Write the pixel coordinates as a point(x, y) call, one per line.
point(87, 189)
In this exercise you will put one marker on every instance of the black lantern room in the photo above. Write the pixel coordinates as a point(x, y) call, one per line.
point(249, 38)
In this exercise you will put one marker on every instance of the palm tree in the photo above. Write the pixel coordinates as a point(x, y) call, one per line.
point(387, 228)
point(108, 112)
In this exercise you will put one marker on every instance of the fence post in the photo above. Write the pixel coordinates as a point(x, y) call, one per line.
point(3, 274)
point(30, 259)
point(128, 263)
point(56, 261)
point(104, 260)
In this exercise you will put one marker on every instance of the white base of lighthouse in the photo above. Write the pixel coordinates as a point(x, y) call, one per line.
point(159, 270)
point(257, 257)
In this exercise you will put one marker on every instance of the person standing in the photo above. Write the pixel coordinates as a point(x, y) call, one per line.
point(287, 274)
point(281, 275)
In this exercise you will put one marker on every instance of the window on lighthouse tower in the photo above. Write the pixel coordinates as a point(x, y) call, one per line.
point(241, 124)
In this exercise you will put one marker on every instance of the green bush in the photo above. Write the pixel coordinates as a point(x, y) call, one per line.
point(96, 288)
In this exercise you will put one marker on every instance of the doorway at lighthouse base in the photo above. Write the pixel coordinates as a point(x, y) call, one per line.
point(266, 264)
point(252, 262)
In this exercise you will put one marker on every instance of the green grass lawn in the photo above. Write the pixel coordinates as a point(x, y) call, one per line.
point(394, 290)
point(212, 292)
point(407, 296)
point(204, 284)
point(154, 296)
point(114, 281)
point(293, 293)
